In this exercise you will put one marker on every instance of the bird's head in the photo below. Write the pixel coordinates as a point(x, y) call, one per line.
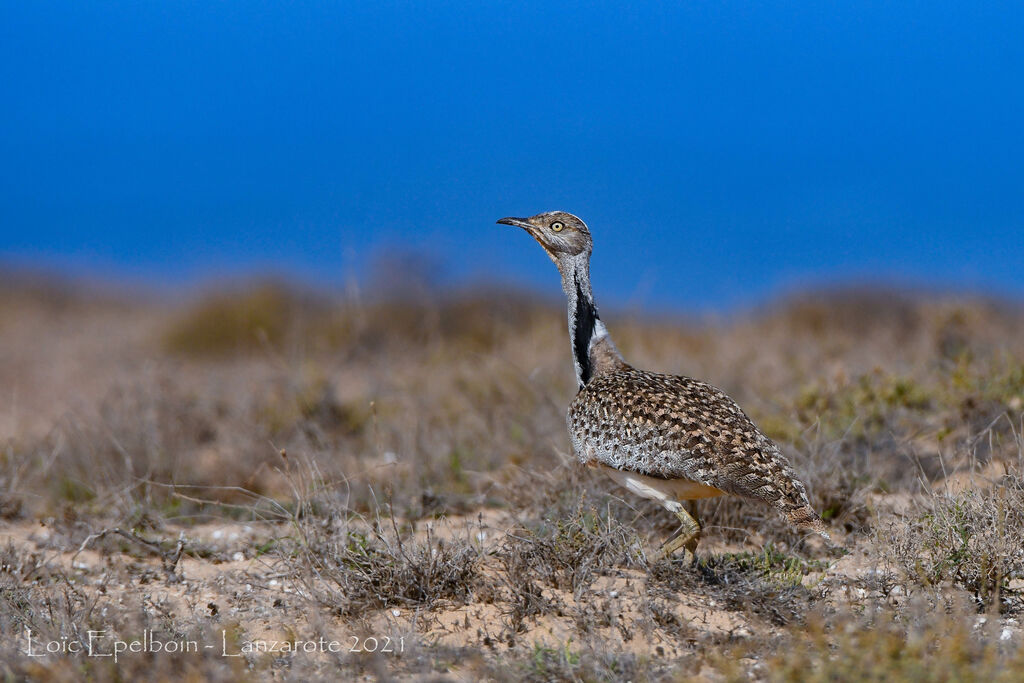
point(562, 235)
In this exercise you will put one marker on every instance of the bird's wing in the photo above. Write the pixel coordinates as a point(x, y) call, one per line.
point(673, 427)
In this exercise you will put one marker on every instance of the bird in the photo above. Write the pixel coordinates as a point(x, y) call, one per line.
point(669, 438)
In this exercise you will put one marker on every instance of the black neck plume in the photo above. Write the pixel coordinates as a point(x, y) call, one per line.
point(583, 330)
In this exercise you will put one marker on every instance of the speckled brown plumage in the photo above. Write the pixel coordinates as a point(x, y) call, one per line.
point(673, 427)
point(665, 437)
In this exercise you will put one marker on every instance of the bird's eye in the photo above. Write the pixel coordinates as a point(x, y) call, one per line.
point(557, 226)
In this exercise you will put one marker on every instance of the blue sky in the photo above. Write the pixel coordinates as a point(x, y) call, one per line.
point(720, 152)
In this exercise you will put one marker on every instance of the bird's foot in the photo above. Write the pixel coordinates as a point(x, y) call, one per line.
point(689, 557)
point(688, 542)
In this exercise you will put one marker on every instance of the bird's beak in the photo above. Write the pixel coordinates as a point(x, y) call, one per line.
point(532, 230)
point(517, 222)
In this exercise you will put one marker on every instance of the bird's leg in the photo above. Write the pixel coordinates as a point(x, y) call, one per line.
point(687, 537)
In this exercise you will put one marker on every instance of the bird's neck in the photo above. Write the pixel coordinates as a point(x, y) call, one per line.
point(592, 349)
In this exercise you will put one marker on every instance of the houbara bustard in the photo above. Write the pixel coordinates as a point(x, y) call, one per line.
point(665, 437)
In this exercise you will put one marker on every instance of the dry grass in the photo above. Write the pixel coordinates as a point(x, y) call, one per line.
point(915, 645)
point(970, 540)
point(427, 495)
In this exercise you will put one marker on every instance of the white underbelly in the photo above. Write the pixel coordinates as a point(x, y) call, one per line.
point(666, 491)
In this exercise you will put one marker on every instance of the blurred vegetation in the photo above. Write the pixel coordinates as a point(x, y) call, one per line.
point(228, 323)
point(883, 647)
point(903, 413)
point(274, 317)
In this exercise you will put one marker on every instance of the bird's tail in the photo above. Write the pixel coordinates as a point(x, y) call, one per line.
point(804, 517)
